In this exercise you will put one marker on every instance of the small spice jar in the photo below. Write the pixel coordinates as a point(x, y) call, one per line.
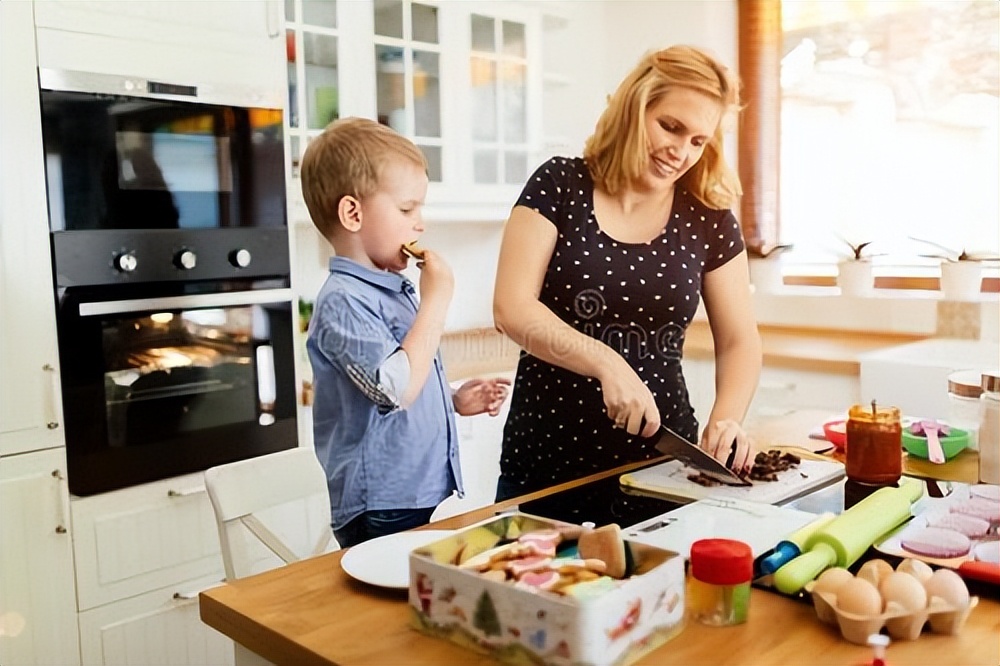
point(719, 584)
point(989, 429)
point(874, 445)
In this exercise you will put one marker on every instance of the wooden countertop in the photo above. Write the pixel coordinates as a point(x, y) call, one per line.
point(312, 613)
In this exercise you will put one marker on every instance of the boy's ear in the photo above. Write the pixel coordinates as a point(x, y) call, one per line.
point(349, 213)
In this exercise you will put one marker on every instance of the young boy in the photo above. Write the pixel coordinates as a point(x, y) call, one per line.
point(383, 415)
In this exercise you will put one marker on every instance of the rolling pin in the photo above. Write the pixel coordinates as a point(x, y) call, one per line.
point(791, 547)
point(846, 538)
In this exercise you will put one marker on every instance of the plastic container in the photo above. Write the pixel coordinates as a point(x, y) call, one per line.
point(874, 445)
point(989, 429)
point(719, 585)
point(964, 389)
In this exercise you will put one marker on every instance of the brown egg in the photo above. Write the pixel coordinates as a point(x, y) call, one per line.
point(874, 571)
point(829, 581)
point(916, 568)
point(859, 597)
point(903, 590)
point(947, 585)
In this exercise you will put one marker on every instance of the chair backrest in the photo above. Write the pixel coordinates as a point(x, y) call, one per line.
point(270, 510)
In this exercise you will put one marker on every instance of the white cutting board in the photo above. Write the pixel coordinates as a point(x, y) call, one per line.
point(670, 480)
point(761, 526)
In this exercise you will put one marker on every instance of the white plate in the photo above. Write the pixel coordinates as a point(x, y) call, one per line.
point(385, 561)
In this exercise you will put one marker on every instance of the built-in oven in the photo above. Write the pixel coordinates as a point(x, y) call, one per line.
point(171, 276)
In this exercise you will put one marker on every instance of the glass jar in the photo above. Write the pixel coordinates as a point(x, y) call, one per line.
point(989, 429)
point(719, 585)
point(874, 445)
point(964, 389)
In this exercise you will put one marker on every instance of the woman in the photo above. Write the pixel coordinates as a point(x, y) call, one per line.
point(601, 267)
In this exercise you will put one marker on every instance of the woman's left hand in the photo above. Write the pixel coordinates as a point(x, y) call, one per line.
point(478, 396)
point(720, 438)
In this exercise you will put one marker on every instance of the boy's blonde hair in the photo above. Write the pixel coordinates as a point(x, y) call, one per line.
point(347, 160)
point(618, 151)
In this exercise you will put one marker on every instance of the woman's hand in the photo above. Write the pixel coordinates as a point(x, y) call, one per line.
point(629, 402)
point(726, 437)
point(477, 396)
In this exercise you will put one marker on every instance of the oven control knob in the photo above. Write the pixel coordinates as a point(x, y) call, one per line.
point(240, 258)
point(125, 262)
point(185, 260)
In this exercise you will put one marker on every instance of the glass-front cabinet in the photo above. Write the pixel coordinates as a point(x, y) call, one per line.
point(462, 80)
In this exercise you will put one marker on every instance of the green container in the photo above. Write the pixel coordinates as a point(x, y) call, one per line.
point(916, 445)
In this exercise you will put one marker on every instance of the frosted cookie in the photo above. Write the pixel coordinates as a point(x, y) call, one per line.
point(604, 543)
point(970, 526)
point(980, 508)
point(937, 542)
point(985, 491)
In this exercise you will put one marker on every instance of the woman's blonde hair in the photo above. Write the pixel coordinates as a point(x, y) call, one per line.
point(347, 160)
point(618, 151)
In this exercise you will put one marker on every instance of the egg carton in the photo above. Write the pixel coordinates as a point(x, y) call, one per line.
point(942, 617)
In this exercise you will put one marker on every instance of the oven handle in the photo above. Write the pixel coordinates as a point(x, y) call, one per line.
point(224, 299)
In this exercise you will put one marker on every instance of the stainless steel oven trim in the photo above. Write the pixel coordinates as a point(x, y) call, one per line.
point(226, 299)
point(137, 86)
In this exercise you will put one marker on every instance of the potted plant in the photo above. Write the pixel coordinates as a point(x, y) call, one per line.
point(854, 270)
point(961, 271)
point(765, 266)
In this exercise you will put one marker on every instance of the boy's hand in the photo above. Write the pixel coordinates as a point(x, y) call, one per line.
point(478, 396)
point(436, 279)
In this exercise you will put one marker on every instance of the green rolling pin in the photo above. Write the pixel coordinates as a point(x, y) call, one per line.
point(846, 538)
point(791, 547)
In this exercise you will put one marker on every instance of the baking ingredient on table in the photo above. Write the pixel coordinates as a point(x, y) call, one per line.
point(874, 571)
point(874, 444)
point(719, 582)
point(916, 568)
point(964, 389)
point(989, 428)
point(846, 538)
point(790, 548)
point(937, 542)
point(903, 602)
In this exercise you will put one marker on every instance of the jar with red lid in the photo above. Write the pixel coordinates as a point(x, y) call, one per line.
point(719, 583)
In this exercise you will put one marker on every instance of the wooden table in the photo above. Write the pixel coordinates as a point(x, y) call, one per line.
point(311, 612)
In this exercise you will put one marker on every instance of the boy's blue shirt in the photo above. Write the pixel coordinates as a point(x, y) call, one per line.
point(377, 456)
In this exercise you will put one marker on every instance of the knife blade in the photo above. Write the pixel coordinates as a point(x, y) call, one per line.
point(695, 457)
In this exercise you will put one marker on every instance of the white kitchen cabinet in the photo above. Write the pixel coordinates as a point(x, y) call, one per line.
point(161, 627)
point(29, 395)
point(206, 43)
point(144, 538)
point(38, 623)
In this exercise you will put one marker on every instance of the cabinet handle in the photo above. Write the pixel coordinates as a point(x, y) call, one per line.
point(51, 420)
point(193, 594)
point(60, 529)
point(186, 492)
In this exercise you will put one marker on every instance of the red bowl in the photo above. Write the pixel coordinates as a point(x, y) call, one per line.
point(836, 433)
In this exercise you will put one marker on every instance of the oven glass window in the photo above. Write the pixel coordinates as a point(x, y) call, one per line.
point(116, 162)
point(171, 373)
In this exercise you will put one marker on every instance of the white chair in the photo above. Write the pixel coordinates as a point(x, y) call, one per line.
point(271, 510)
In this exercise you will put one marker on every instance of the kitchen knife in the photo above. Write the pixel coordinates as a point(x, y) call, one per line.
point(697, 458)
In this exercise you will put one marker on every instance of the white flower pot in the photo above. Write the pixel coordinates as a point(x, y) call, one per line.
point(855, 278)
point(961, 280)
point(766, 276)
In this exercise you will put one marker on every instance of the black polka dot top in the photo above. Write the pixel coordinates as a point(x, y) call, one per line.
point(638, 298)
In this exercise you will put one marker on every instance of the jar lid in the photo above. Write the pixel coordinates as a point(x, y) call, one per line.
point(991, 381)
point(721, 561)
point(965, 383)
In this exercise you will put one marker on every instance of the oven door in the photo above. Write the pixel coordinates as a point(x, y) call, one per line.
point(168, 385)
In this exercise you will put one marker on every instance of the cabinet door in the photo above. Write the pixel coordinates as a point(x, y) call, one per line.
point(160, 627)
point(29, 398)
point(37, 607)
point(147, 537)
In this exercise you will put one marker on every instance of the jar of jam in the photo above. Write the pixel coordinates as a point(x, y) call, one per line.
point(874, 445)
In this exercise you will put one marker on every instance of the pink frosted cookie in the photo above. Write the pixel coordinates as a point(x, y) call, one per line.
point(985, 491)
point(970, 526)
point(937, 542)
point(980, 508)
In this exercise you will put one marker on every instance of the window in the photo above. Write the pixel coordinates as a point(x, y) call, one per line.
point(871, 121)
